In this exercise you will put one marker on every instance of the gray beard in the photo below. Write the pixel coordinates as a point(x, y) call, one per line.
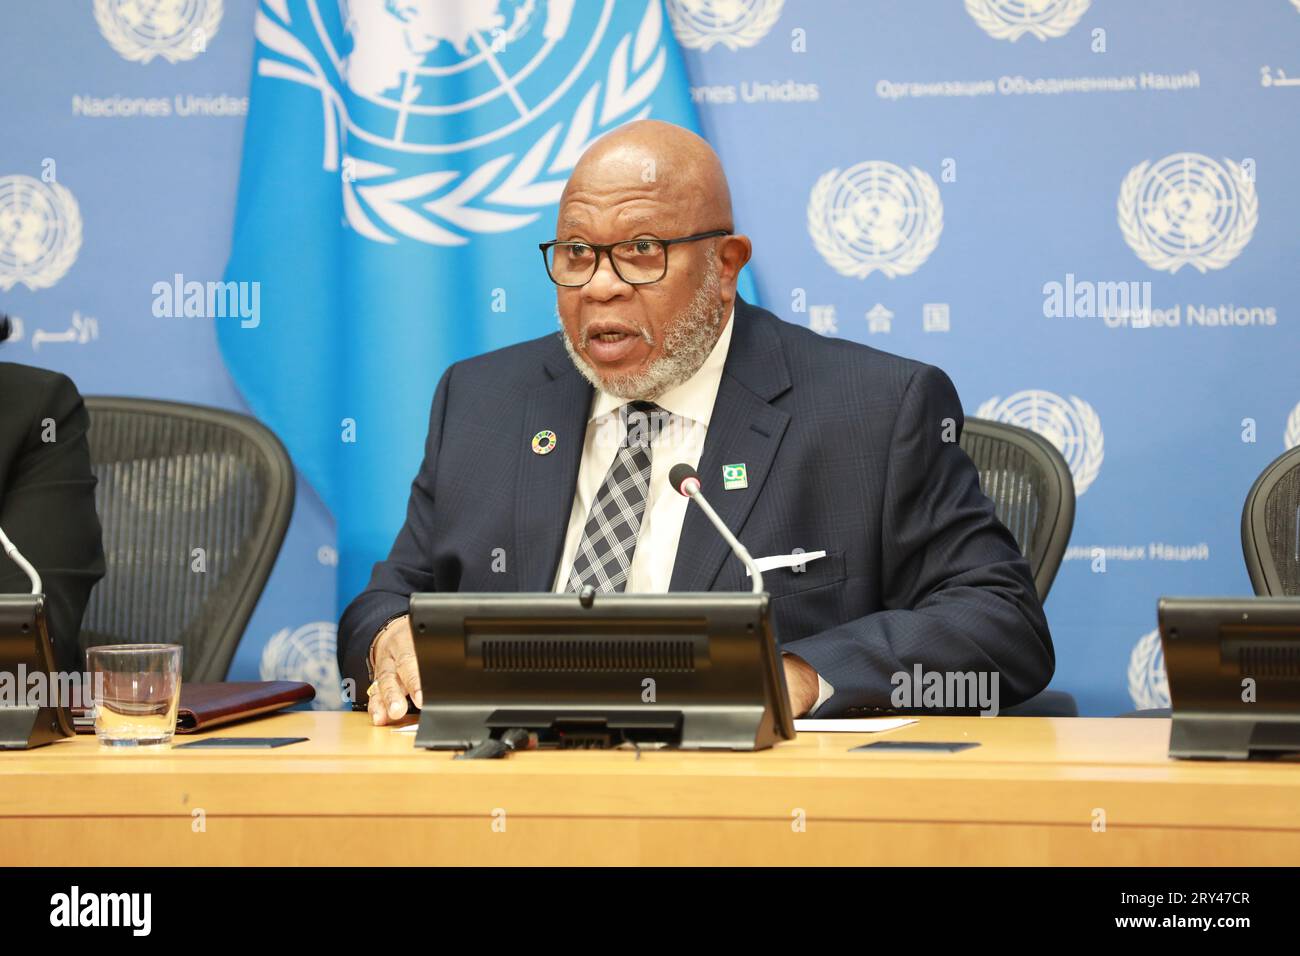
point(687, 344)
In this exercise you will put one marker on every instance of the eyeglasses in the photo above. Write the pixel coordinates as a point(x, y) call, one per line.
point(635, 261)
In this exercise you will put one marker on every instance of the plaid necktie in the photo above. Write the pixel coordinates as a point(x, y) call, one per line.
point(604, 556)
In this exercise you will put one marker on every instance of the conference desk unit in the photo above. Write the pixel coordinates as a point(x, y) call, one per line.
point(1035, 791)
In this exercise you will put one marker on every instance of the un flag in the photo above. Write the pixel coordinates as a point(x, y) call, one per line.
point(402, 160)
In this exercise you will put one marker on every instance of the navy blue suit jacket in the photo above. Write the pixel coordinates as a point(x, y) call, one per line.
point(845, 452)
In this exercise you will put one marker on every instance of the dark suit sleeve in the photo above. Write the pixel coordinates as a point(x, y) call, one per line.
point(959, 596)
point(407, 569)
point(48, 511)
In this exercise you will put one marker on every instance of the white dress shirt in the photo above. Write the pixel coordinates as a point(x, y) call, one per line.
point(681, 439)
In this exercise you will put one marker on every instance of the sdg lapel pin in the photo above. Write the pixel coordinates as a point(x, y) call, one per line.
point(733, 477)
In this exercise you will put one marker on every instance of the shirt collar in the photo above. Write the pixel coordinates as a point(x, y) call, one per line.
point(691, 399)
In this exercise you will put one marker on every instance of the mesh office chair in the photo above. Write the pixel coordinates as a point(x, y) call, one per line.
point(1270, 537)
point(1033, 495)
point(1270, 528)
point(174, 479)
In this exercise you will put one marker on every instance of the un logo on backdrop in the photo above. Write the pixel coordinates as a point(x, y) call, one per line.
point(1012, 19)
point(875, 216)
point(308, 654)
point(1071, 425)
point(1291, 438)
point(430, 79)
point(702, 24)
point(40, 232)
point(140, 30)
point(1187, 209)
point(1148, 684)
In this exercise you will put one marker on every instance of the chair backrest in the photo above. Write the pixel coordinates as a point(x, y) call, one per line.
point(1031, 488)
point(194, 503)
point(1270, 527)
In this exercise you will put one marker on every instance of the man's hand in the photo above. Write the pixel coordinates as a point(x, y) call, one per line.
point(396, 673)
point(801, 680)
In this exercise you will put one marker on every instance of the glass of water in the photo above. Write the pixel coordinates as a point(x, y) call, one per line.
point(137, 689)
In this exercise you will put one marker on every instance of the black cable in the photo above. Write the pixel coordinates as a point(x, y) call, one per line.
point(494, 748)
point(516, 738)
point(490, 749)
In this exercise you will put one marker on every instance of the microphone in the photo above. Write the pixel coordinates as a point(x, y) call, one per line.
point(686, 482)
point(16, 556)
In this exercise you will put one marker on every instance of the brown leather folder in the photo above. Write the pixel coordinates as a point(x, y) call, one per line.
point(204, 706)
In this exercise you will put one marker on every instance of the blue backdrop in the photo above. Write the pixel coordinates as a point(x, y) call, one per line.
point(1084, 211)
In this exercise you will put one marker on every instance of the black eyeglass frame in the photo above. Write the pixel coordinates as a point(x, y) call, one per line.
point(606, 249)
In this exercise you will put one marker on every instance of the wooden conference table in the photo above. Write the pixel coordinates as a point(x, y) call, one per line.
point(1036, 791)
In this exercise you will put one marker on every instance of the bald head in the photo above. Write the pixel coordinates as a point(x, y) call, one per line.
point(647, 180)
point(656, 161)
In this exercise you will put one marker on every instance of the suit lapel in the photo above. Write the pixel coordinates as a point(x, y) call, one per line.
point(546, 484)
point(744, 428)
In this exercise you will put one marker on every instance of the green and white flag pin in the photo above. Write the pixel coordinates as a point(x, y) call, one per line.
point(733, 477)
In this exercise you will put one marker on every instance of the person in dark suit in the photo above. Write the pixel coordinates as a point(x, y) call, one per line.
point(545, 465)
point(47, 497)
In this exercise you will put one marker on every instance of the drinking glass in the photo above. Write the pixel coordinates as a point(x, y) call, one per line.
point(137, 689)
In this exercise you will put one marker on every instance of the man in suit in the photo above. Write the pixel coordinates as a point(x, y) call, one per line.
point(546, 463)
point(47, 498)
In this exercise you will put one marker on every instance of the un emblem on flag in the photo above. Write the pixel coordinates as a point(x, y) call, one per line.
point(40, 232)
point(1012, 19)
point(449, 120)
point(1187, 209)
point(875, 216)
point(140, 30)
point(1072, 425)
point(703, 24)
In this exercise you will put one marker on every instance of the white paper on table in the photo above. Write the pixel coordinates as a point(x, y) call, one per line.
point(851, 725)
point(408, 729)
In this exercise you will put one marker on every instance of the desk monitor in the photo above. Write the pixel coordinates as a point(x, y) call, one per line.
point(1234, 675)
point(31, 714)
point(691, 670)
